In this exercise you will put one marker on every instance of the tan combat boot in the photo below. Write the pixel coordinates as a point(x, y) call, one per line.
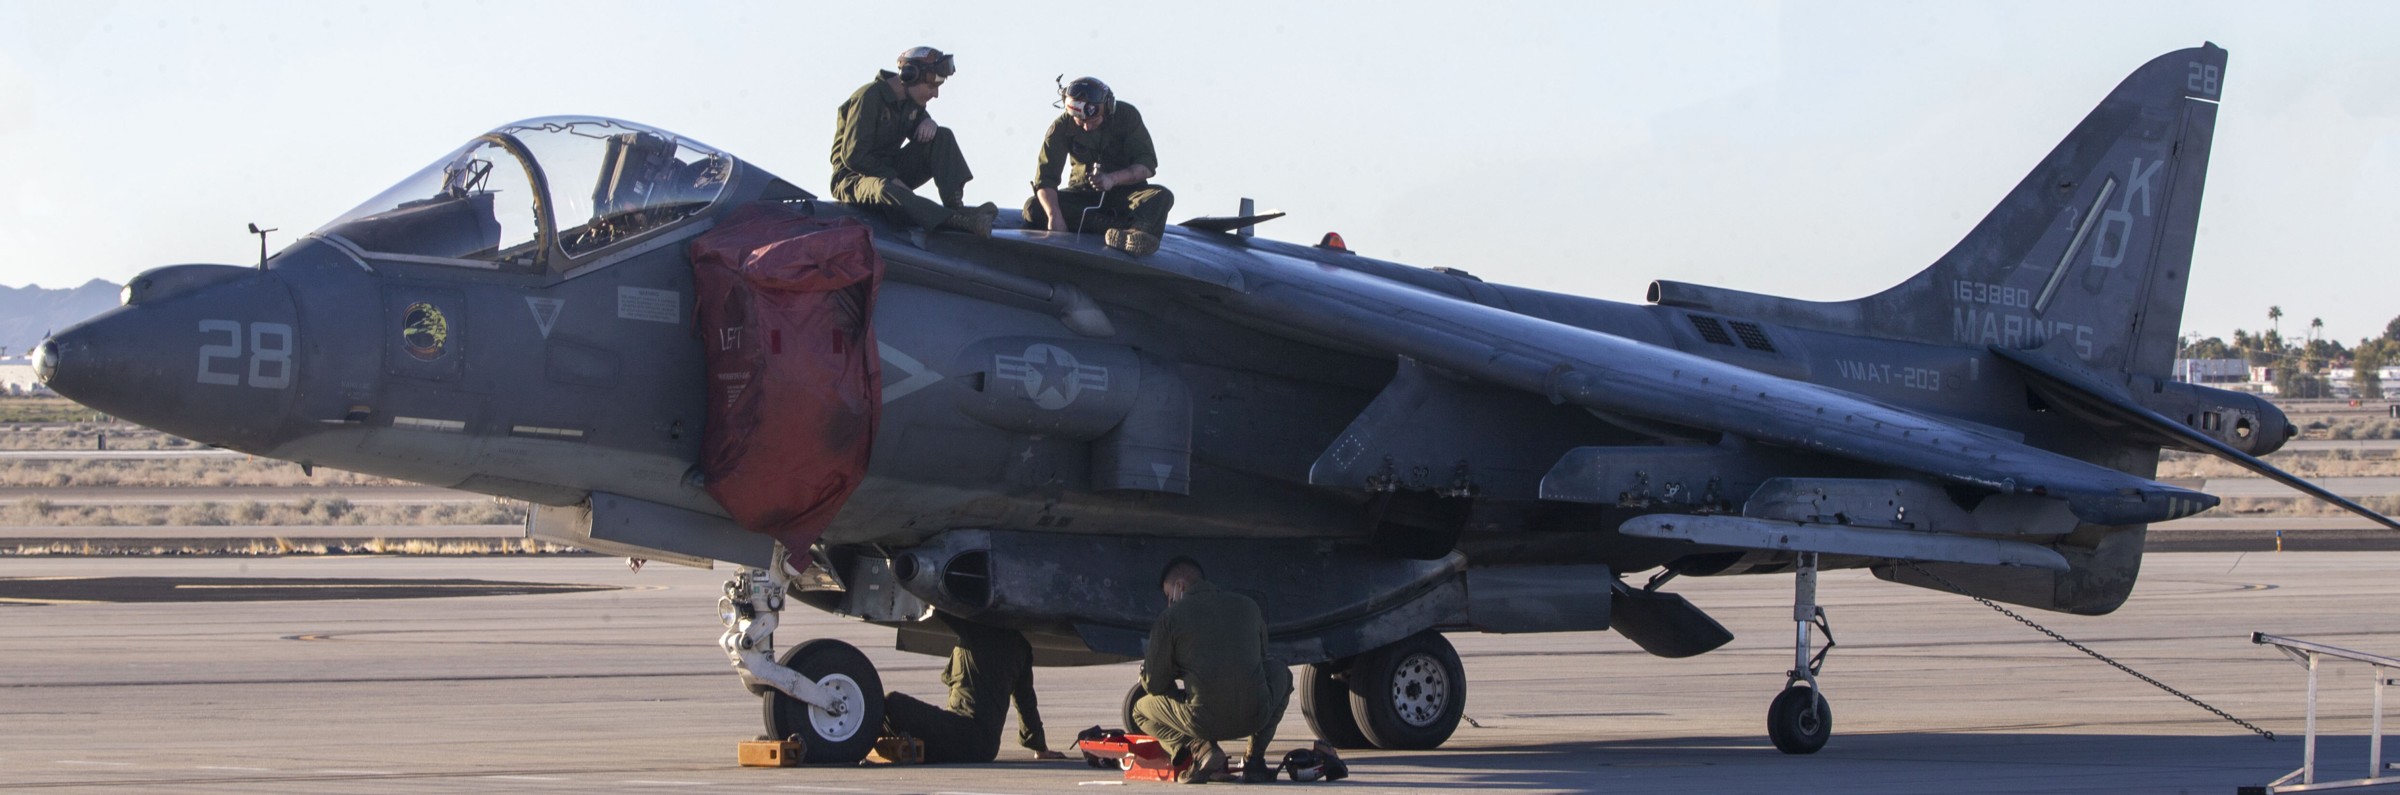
point(975, 221)
point(1131, 241)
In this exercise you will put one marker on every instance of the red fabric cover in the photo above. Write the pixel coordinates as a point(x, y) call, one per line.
point(795, 387)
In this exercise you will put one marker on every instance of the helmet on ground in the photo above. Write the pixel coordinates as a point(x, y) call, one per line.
point(1304, 765)
point(921, 63)
point(1097, 733)
point(1088, 96)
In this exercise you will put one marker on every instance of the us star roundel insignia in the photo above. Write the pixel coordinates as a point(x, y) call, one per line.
point(1050, 375)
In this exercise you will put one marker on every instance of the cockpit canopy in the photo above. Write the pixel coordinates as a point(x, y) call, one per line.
point(540, 194)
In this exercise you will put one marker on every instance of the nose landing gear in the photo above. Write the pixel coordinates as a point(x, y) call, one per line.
point(1800, 721)
point(825, 691)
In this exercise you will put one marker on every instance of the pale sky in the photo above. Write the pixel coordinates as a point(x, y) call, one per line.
point(1817, 150)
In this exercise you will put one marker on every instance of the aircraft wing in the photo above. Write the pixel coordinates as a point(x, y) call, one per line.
point(1614, 374)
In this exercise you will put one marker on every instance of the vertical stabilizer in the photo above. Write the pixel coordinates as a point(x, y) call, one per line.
point(2094, 247)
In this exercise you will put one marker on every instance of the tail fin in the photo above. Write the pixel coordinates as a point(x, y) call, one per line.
point(2093, 246)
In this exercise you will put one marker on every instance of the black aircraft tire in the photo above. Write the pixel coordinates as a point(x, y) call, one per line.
point(839, 740)
point(1795, 727)
point(1325, 701)
point(1125, 711)
point(1409, 696)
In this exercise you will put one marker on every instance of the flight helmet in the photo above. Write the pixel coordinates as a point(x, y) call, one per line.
point(919, 64)
point(1086, 97)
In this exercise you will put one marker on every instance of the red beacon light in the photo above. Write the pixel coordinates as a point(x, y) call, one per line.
point(1333, 240)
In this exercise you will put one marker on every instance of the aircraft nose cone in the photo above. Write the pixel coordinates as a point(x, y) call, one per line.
point(62, 362)
point(45, 361)
point(216, 364)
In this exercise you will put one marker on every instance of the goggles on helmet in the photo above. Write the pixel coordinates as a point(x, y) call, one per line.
point(1087, 97)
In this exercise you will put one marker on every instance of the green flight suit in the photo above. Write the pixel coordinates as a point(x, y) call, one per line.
point(1216, 642)
point(878, 162)
point(1122, 140)
point(989, 668)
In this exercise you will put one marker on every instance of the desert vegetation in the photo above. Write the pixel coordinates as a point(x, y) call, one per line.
point(169, 472)
point(2351, 427)
point(2305, 463)
point(37, 512)
point(43, 409)
point(37, 435)
point(285, 546)
point(2298, 505)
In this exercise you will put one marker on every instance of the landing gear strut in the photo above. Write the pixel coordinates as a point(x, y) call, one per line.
point(1799, 721)
point(825, 691)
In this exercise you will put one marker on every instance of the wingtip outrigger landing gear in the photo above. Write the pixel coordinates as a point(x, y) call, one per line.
point(1799, 721)
point(824, 690)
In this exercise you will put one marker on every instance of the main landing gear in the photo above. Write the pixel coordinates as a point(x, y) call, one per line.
point(1799, 721)
point(824, 691)
point(1406, 696)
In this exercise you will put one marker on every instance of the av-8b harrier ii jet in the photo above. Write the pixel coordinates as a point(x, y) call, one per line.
point(584, 314)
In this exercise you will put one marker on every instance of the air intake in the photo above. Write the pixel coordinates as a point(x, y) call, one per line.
point(1710, 329)
point(968, 579)
point(1753, 337)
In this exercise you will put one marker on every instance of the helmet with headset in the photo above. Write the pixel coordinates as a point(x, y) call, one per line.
point(1313, 764)
point(1086, 97)
point(919, 64)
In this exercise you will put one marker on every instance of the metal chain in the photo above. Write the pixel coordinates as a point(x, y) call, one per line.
point(1946, 583)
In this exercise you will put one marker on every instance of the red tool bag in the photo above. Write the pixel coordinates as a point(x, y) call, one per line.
point(786, 304)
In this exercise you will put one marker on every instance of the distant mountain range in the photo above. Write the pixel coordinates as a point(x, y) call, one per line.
point(28, 313)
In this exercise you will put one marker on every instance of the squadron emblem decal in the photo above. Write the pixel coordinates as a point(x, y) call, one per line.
point(424, 331)
point(1050, 375)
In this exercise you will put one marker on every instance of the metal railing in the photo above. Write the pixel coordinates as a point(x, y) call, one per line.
point(2309, 655)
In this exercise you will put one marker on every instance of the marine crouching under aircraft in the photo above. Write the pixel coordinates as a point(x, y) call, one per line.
point(612, 321)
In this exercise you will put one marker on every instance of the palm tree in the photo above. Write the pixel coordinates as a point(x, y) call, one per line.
point(2316, 328)
point(2275, 316)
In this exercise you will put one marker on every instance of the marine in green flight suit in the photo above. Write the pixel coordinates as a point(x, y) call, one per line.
point(885, 146)
point(989, 668)
point(1109, 185)
point(1216, 642)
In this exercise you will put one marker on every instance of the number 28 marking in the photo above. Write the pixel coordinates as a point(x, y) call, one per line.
point(270, 346)
point(2201, 78)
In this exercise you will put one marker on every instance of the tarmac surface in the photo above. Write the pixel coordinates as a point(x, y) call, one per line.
point(573, 674)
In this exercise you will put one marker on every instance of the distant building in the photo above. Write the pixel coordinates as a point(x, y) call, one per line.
point(16, 378)
point(2344, 380)
point(2212, 371)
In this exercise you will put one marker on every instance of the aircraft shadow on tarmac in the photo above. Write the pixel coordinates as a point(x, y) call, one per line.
point(1952, 762)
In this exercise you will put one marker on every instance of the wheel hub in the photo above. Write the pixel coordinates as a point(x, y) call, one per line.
point(839, 727)
point(1419, 690)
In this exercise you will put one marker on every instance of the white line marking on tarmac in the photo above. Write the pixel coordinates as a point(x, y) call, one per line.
point(224, 767)
point(100, 764)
